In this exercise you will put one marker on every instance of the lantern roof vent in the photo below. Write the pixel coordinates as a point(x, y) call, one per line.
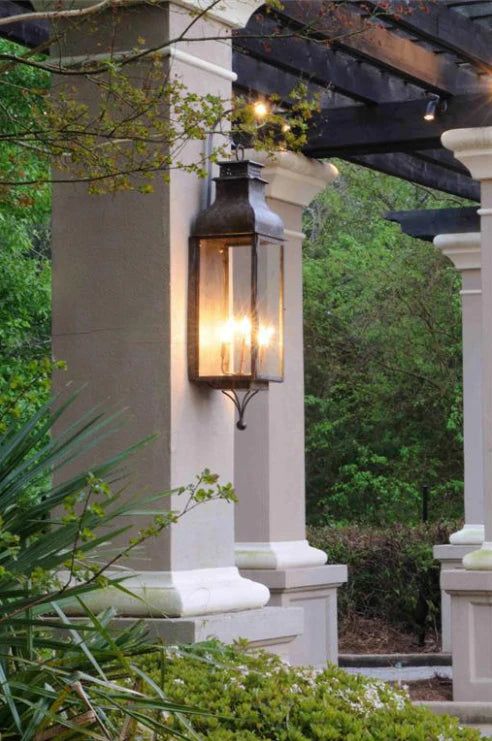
point(240, 206)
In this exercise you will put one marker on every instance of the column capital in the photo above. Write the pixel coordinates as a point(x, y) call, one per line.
point(473, 147)
point(462, 249)
point(232, 13)
point(294, 178)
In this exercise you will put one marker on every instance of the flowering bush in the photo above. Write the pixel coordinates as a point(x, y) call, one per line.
point(249, 696)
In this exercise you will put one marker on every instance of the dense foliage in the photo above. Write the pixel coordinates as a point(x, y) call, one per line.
point(392, 573)
point(60, 677)
point(256, 696)
point(382, 355)
point(25, 269)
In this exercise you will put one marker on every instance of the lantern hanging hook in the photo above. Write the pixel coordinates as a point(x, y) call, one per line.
point(239, 152)
point(240, 403)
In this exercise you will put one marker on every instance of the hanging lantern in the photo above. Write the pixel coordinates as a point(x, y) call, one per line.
point(235, 329)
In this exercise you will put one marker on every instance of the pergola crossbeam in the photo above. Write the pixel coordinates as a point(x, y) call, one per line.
point(392, 127)
point(427, 223)
point(406, 166)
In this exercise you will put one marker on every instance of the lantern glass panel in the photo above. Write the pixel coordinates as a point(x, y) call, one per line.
point(225, 309)
point(269, 291)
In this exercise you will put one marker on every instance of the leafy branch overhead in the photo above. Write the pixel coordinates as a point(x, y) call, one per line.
point(115, 113)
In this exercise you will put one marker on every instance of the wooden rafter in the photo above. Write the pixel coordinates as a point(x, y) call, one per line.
point(315, 61)
point(443, 27)
point(380, 46)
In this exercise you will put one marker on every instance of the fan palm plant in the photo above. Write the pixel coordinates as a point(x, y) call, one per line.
point(62, 677)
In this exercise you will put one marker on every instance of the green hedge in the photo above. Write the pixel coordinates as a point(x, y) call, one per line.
point(256, 696)
point(392, 572)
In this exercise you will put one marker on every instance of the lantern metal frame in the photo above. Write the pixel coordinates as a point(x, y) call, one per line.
point(241, 216)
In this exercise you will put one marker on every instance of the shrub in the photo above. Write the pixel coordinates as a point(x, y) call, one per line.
point(392, 572)
point(59, 677)
point(256, 696)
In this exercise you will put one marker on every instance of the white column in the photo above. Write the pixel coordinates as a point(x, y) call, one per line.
point(120, 276)
point(271, 542)
point(464, 252)
point(471, 588)
point(473, 147)
point(269, 454)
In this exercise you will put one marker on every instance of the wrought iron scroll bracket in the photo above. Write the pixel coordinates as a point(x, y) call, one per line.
point(240, 403)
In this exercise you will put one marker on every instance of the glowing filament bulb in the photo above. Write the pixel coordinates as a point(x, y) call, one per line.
point(244, 329)
point(226, 331)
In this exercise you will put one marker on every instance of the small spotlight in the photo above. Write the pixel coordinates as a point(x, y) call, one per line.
point(430, 111)
point(434, 107)
point(286, 127)
point(260, 109)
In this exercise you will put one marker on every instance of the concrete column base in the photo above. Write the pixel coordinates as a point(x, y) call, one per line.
point(451, 558)
point(166, 594)
point(471, 631)
point(280, 554)
point(468, 535)
point(315, 590)
point(274, 629)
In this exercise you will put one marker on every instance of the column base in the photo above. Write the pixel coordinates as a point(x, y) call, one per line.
point(451, 558)
point(314, 589)
point(166, 594)
point(479, 559)
point(468, 535)
point(280, 554)
point(471, 627)
point(274, 629)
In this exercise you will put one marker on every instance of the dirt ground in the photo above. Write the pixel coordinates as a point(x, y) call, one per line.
point(437, 688)
point(361, 635)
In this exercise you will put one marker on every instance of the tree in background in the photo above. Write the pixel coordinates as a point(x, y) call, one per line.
point(25, 269)
point(383, 357)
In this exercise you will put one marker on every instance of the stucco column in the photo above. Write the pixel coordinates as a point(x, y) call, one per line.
point(120, 275)
point(271, 543)
point(471, 588)
point(269, 455)
point(473, 147)
point(464, 252)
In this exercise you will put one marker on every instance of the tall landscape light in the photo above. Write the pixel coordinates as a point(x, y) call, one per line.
point(235, 327)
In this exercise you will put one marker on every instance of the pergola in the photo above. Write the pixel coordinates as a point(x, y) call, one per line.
point(391, 77)
point(374, 67)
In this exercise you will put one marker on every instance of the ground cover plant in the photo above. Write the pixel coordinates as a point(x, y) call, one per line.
point(256, 696)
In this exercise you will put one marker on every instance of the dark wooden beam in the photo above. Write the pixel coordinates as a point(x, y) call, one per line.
point(426, 224)
point(257, 76)
point(442, 157)
point(30, 33)
point(392, 127)
point(278, 45)
point(442, 26)
point(405, 166)
point(380, 46)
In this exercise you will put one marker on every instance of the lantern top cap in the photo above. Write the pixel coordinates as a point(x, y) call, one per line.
point(240, 170)
point(240, 206)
